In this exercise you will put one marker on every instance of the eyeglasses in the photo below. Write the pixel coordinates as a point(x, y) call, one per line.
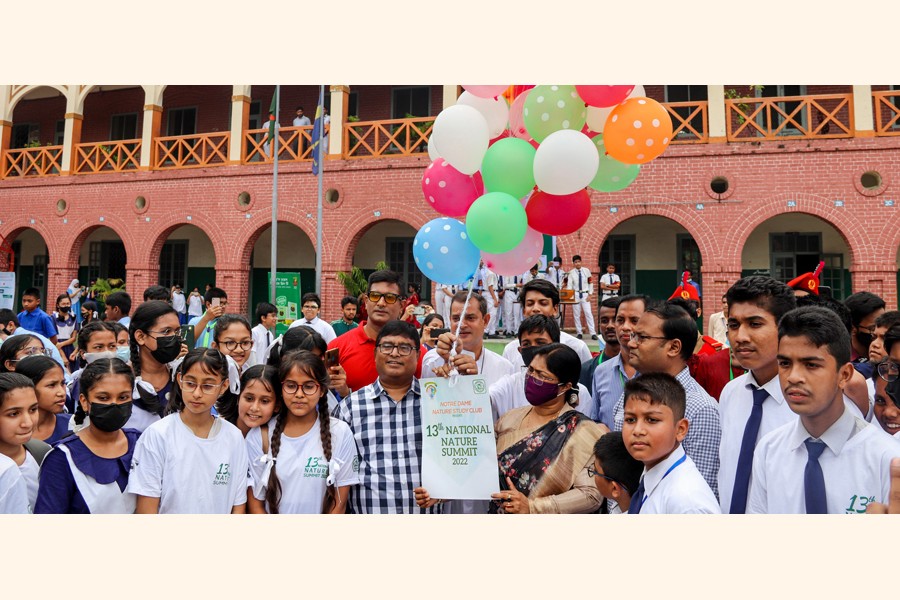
point(870, 329)
point(388, 297)
point(640, 338)
point(231, 344)
point(594, 473)
point(402, 349)
point(168, 331)
point(207, 388)
point(309, 388)
point(889, 371)
point(36, 351)
point(538, 378)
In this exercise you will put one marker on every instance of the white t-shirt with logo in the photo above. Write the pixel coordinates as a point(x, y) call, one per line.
point(301, 466)
point(190, 475)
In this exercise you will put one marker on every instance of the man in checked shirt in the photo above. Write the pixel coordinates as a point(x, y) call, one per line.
point(662, 342)
point(385, 418)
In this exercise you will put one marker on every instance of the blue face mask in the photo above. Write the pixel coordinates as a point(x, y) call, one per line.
point(123, 353)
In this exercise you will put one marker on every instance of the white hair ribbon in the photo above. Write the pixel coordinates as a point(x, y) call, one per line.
point(268, 460)
point(234, 376)
point(146, 386)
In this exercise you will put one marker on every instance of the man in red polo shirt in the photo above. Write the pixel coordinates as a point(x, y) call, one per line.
point(357, 347)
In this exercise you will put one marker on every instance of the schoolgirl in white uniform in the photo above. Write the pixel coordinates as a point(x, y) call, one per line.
point(18, 416)
point(87, 473)
point(233, 336)
point(260, 397)
point(155, 342)
point(308, 460)
point(191, 461)
point(50, 387)
point(305, 338)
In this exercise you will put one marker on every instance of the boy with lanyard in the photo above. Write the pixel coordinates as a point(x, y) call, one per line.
point(653, 429)
point(616, 473)
point(828, 461)
point(216, 300)
point(751, 405)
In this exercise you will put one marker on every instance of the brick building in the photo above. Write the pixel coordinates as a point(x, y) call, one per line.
point(173, 184)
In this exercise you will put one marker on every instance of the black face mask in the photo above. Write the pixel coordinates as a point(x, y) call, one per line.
point(110, 417)
point(63, 309)
point(528, 354)
point(167, 348)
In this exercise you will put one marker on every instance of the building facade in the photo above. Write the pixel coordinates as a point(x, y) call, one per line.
point(173, 184)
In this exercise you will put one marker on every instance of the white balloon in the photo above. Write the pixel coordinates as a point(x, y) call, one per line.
point(596, 117)
point(433, 153)
point(464, 137)
point(494, 110)
point(565, 162)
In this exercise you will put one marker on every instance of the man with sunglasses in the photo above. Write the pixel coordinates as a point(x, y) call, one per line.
point(384, 417)
point(9, 326)
point(865, 308)
point(356, 348)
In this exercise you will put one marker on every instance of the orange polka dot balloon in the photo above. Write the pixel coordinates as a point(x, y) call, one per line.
point(637, 131)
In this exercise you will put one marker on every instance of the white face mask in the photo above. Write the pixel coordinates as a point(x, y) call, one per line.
point(92, 356)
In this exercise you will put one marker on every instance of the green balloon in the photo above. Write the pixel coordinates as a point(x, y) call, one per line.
point(508, 167)
point(549, 108)
point(496, 223)
point(612, 175)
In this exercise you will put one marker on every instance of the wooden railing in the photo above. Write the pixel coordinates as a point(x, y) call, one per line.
point(887, 112)
point(186, 151)
point(32, 162)
point(294, 144)
point(396, 137)
point(690, 122)
point(808, 117)
point(108, 157)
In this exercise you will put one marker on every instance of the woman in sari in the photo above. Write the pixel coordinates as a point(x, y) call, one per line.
point(544, 449)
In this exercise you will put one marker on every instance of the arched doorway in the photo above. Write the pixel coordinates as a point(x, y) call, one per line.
point(30, 257)
point(650, 253)
point(296, 254)
point(187, 257)
point(391, 241)
point(788, 245)
point(102, 256)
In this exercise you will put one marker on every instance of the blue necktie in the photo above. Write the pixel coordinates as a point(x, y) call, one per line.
point(637, 500)
point(745, 458)
point(580, 283)
point(814, 480)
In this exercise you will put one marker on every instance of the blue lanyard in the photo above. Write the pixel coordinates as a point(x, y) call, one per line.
point(672, 468)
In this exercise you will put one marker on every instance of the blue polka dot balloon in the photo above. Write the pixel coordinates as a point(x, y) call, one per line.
point(444, 253)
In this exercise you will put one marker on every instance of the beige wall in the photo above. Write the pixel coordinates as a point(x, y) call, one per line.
point(200, 249)
point(371, 247)
point(755, 254)
point(655, 245)
point(32, 245)
point(294, 248)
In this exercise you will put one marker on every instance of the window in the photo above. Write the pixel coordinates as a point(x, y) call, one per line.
point(793, 253)
point(400, 258)
point(40, 271)
point(60, 136)
point(352, 104)
point(173, 263)
point(689, 259)
point(94, 261)
point(415, 101)
point(619, 250)
point(182, 121)
point(106, 259)
point(788, 107)
point(123, 127)
point(255, 115)
point(24, 134)
point(687, 93)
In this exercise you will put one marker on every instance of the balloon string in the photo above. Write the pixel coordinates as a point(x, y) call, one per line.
point(454, 373)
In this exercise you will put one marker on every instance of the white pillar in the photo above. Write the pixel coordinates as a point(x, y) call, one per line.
point(240, 119)
point(716, 112)
point(863, 118)
point(340, 108)
point(451, 93)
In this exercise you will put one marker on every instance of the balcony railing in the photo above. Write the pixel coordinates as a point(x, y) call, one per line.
point(32, 162)
point(887, 112)
point(823, 116)
point(294, 144)
point(690, 123)
point(186, 151)
point(396, 137)
point(108, 157)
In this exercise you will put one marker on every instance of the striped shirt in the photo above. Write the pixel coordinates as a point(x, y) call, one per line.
point(388, 437)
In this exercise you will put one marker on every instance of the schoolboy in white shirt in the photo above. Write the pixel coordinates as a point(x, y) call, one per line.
point(653, 429)
point(310, 304)
point(579, 280)
point(752, 405)
point(828, 461)
point(616, 473)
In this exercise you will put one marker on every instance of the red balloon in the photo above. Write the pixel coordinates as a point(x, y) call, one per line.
point(603, 95)
point(558, 215)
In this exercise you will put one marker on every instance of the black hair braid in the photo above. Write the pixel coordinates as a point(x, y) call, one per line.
point(273, 486)
point(325, 433)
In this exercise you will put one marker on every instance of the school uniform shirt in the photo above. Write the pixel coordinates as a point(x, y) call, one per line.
point(357, 356)
point(190, 475)
point(301, 466)
point(66, 326)
point(609, 279)
point(178, 303)
point(195, 305)
point(63, 427)
point(74, 480)
point(38, 321)
point(579, 285)
point(262, 339)
point(29, 469)
point(855, 465)
point(511, 351)
point(718, 327)
point(125, 321)
point(679, 491)
point(735, 405)
point(13, 491)
point(509, 393)
point(320, 326)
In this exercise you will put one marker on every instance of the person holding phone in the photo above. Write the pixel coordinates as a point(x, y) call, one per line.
point(432, 323)
point(216, 301)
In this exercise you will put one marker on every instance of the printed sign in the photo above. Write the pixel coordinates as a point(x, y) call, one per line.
point(7, 290)
point(459, 451)
point(287, 299)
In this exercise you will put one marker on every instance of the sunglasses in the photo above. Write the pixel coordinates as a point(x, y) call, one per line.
point(375, 297)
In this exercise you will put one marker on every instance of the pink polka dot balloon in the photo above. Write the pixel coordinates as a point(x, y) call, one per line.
point(448, 191)
point(519, 259)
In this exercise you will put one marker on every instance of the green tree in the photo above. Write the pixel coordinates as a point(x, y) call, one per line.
point(355, 282)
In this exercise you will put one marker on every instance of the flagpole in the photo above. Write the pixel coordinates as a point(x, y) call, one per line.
point(274, 257)
point(321, 127)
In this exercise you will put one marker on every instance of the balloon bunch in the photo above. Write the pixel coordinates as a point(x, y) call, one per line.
point(517, 162)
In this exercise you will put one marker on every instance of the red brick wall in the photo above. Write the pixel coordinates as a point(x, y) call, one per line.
point(45, 112)
point(99, 107)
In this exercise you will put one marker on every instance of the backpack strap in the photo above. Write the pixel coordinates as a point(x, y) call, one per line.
point(38, 449)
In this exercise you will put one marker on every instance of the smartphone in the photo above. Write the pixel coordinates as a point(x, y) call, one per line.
point(332, 358)
point(418, 311)
point(187, 334)
point(435, 333)
point(215, 302)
